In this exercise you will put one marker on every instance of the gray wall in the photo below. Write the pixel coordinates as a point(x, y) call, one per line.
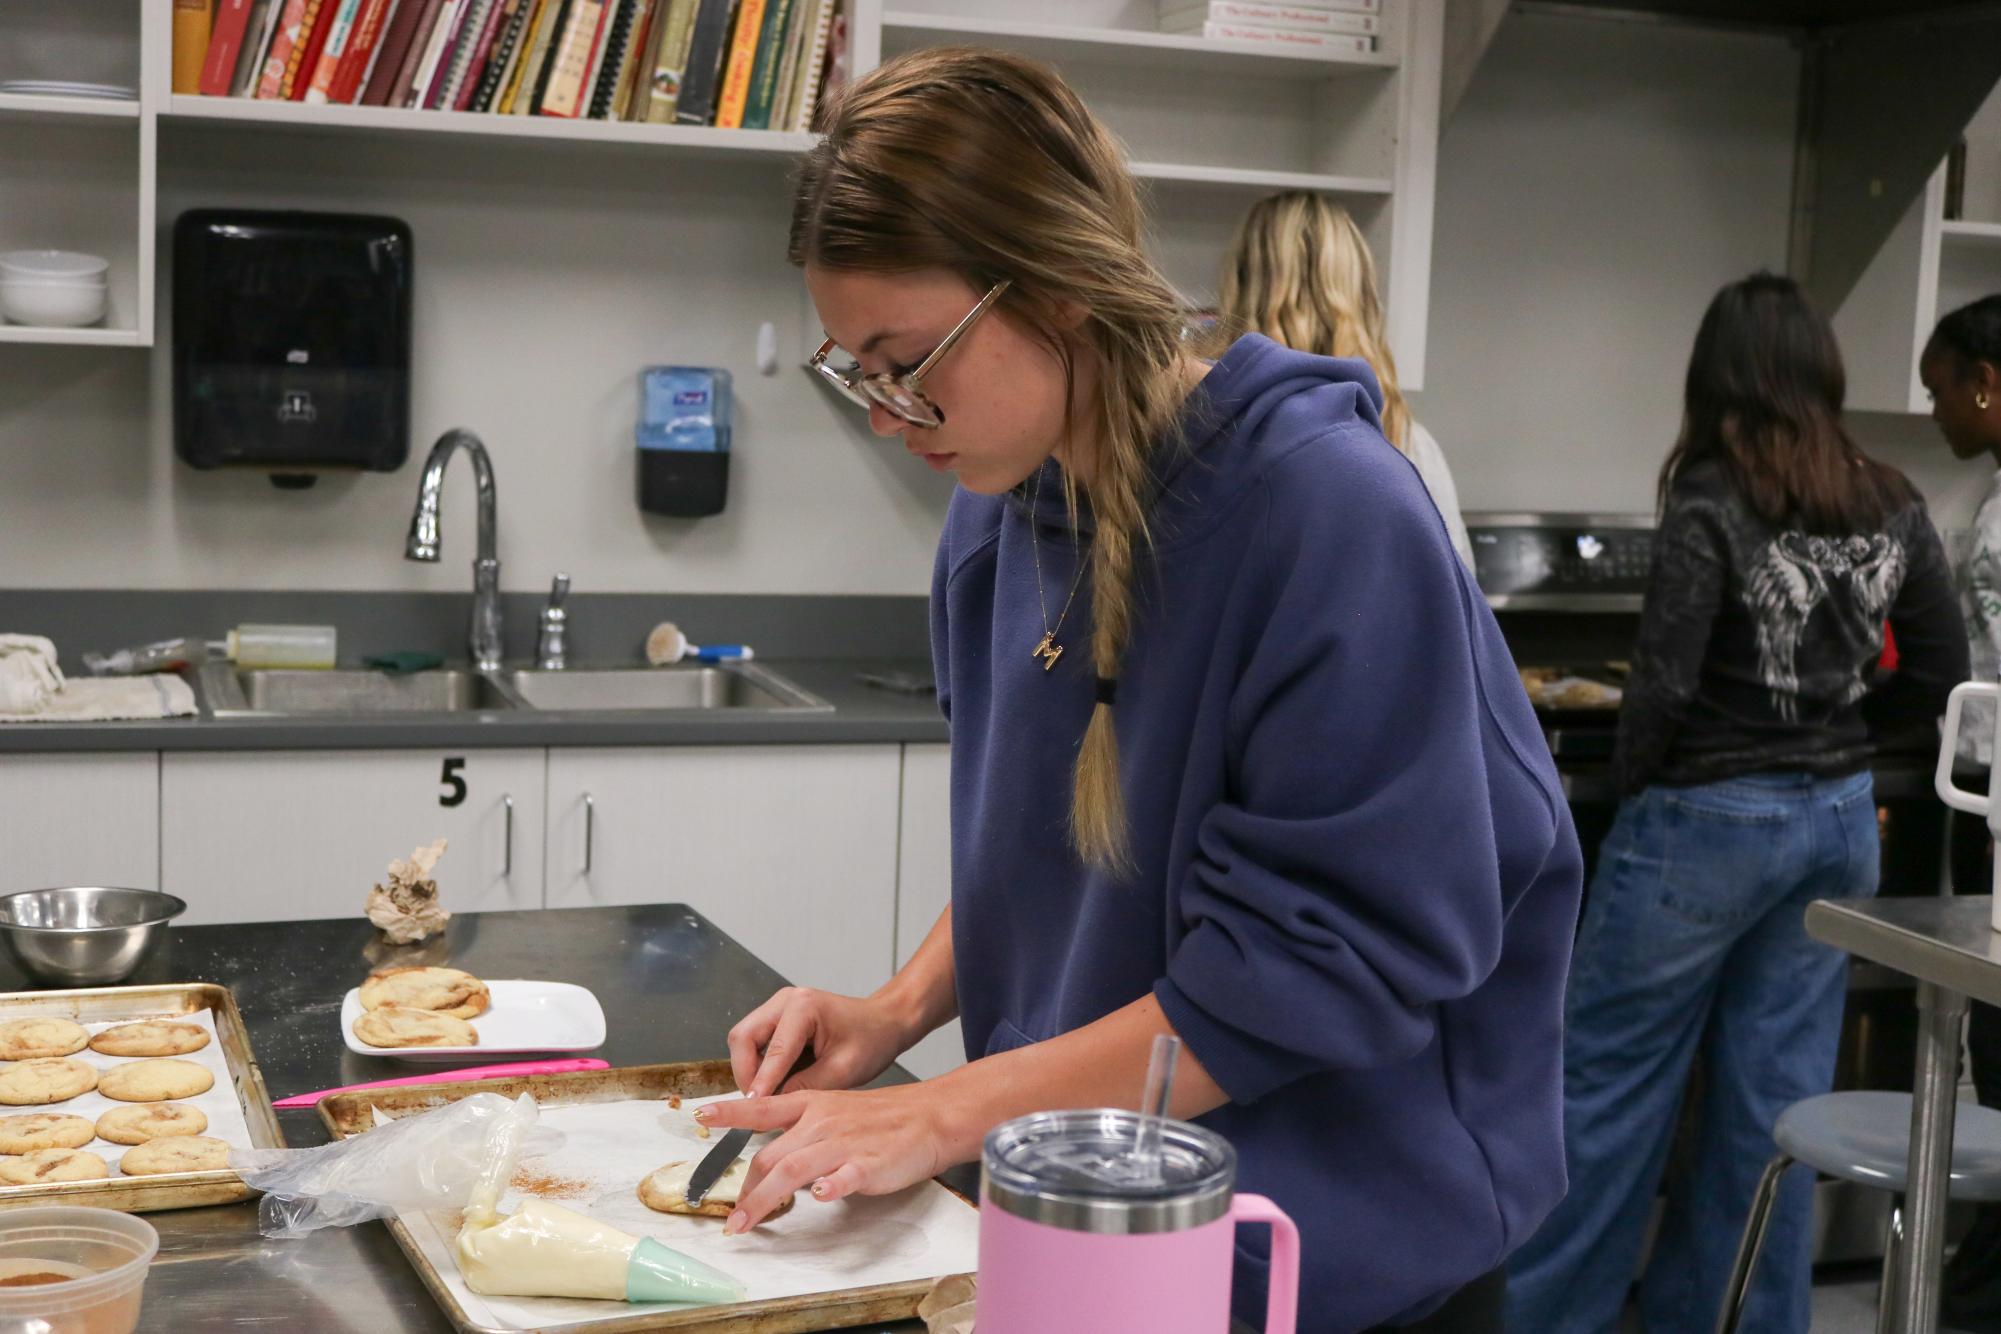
point(547, 276)
point(1601, 180)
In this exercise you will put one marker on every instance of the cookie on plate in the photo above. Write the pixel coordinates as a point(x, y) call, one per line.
point(154, 1081)
point(444, 990)
point(44, 1080)
point(161, 1120)
point(151, 1037)
point(45, 1130)
point(25, 1039)
point(666, 1191)
point(179, 1153)
point(46, 1165)
point(393, 1027)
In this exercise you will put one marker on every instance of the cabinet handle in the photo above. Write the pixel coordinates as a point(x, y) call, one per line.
point(590, 829)
point(507, 860)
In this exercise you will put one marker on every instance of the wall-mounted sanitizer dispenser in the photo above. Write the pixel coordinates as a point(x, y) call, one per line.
point(291, 342)
point(684, 440)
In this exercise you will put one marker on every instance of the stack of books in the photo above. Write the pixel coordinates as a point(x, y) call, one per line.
point(1334, 27)
point(736, 64)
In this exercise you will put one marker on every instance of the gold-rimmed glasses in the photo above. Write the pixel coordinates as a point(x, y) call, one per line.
point(902, 396)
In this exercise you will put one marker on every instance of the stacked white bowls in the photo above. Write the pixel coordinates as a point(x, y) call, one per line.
point(52, 287)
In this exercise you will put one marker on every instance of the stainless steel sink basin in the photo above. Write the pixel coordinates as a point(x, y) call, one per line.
point(737, 687)
point(231, 693)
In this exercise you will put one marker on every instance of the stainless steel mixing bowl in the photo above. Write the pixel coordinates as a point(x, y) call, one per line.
point(85, 935)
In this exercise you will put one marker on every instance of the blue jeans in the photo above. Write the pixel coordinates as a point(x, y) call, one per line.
point(1693, 938)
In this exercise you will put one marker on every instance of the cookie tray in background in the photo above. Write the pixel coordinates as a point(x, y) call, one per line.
point(93, 1007)
point(348, 1114)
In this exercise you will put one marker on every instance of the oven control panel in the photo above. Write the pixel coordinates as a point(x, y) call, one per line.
point(1562, 562)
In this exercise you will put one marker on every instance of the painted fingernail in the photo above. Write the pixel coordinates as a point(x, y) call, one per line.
point(701, 1113)
point(821, 1189)
point(739, 1222)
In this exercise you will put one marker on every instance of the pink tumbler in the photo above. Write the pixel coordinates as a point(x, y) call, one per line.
point(1080, 1235)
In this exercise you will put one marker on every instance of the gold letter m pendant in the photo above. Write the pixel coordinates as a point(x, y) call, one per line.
point(1048, 650)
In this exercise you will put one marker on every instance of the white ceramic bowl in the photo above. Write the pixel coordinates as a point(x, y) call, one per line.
point(52, 264)
point(62, 305)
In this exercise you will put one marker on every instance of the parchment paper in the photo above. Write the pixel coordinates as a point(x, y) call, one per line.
point(925, 1232)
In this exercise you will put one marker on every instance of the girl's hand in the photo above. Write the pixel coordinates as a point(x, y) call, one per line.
point(852, 1040)
point(872, 1142)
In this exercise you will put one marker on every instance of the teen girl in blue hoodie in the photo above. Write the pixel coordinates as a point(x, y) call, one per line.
point(1238, 752)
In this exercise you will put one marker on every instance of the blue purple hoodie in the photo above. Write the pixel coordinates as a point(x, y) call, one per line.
point(1357, 877)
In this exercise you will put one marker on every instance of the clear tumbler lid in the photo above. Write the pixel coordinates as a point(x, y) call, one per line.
point(1078, 1170)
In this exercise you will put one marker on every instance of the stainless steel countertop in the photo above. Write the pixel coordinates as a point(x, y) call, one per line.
point(670, 983)
point(1949, 941)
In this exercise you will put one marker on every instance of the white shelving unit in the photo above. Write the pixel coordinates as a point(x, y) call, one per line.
point(1955, 231)
point(1057, 42)
point(1929, 266)
point(78, 173)
point(400, 121)
point(1210, 127)
point(15, 107)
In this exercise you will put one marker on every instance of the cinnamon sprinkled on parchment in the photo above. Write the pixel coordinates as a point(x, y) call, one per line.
point(549, 1186)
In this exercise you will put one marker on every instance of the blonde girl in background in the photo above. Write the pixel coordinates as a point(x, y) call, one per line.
point(1300, 273)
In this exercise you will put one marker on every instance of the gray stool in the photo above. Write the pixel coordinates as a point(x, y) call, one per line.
point(1864, 1137)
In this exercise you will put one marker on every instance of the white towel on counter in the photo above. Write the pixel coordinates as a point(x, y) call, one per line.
point(29, 676)
point(97, 699)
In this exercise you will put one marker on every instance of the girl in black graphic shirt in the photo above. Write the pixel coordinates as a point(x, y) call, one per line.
point(1744, 751)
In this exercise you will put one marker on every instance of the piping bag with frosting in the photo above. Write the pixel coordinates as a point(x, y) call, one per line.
point(545, 1250)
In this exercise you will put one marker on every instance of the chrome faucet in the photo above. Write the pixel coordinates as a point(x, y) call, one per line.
point(484, 641)
point(552, 643)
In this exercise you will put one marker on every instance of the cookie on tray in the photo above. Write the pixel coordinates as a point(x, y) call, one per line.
point(666, 1191)
point(160, 1120)
point(154, 1081)
point(151, 1037)
point(44, 1080)
point(444, 990)
point(44, 1130)
point(47, 1165)
point(24, 1039)
point(180, 1153)
point(394, 1027)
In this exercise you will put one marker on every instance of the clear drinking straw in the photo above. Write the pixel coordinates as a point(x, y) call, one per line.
point(1154, 1103)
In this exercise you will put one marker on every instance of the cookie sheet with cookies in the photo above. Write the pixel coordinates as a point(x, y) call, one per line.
point(78, 1101)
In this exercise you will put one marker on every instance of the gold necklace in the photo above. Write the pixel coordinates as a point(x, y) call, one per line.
point(1047, 650)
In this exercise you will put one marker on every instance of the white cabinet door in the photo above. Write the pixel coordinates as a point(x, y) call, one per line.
point(288, 835)
point(79, 820)
point(791, 850)
point(924, 885)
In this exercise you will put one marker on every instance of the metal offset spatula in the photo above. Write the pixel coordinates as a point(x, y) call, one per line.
point(716, 1162)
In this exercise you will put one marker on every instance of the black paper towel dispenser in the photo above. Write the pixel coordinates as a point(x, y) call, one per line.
point(291, 341)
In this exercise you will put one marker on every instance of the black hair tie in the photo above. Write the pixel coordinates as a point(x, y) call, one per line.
point(1108, 690)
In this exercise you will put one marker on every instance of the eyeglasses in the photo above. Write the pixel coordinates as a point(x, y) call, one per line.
point(902, 396)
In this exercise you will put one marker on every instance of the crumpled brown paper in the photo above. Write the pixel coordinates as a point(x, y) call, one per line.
point(407, 908)
point(948, 1307)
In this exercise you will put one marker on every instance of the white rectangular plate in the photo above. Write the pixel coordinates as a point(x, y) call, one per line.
point(524, 1017)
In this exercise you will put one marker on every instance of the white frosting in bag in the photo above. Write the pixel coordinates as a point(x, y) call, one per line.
point(543, 1250)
